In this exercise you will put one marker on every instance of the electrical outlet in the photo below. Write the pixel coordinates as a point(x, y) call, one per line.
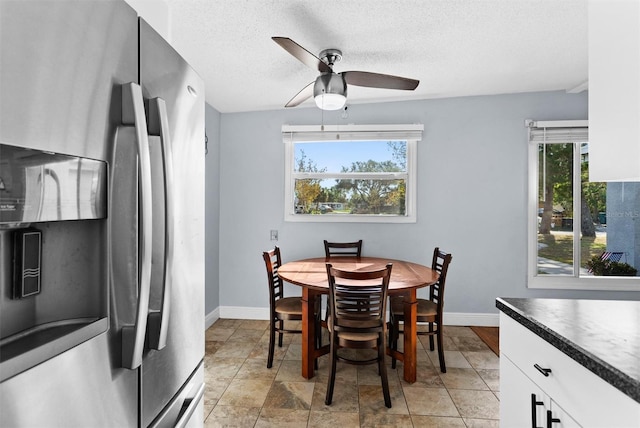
point(274, 235)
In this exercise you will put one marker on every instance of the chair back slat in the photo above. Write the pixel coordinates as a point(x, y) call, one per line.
point(273, 261)
point(439, 263)
point(353, 249)
point(358, 299)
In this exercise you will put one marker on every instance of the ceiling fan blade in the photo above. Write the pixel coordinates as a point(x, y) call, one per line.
point(302, 54)
point(303, 95)
point(377, 80)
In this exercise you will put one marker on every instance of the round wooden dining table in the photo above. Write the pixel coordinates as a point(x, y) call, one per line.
point(406, 279)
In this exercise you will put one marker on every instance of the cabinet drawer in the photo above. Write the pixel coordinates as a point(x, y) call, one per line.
point(582, 394)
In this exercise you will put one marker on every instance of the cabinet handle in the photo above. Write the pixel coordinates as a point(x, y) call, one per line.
point(550, 419)
point(534, 404)
point(542, 370)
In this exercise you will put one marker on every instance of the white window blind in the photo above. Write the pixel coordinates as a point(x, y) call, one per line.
point(559, 131)
point(305, 133)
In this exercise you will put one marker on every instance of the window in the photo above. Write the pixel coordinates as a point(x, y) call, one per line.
point(354, 173)
point(582, 234)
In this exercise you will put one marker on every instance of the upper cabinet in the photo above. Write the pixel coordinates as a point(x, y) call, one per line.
point(614, 90)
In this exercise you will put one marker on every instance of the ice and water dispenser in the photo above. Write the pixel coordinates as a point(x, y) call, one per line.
point(53, 255)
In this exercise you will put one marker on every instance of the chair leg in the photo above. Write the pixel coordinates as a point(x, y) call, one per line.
point(332, 373)
point(272, 342)
point(327, 313)
point(318, 333)
point(431, 347)
point(317, 308)
point(443, 368)
point(318, 316)
point(382, 368)
point(394, 332)
point(280, 327)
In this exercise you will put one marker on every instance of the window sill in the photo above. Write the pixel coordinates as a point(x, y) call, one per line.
point(348, 218)
point(631, 283)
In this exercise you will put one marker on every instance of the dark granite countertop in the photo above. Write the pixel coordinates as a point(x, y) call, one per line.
point(601, 335)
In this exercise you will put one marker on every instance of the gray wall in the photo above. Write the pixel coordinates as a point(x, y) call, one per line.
point(212, 210)
point(472, 183)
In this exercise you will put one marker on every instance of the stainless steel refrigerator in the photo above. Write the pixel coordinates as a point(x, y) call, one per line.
point(101, 220)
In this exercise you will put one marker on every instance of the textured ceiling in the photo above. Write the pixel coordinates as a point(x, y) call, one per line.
point(454, 47)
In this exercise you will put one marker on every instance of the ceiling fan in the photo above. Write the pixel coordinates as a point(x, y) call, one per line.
point(330, 89)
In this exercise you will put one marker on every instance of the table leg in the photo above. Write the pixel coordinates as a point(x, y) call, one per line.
point(308, 332)
point(410, 336)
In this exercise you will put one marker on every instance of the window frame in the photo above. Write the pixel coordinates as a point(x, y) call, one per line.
point(318, 134)
point(576, 282)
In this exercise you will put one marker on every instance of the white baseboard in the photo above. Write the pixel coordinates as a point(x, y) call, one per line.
point(247, 313)
point(211, 317)
point(475, 320)
point(244, 312)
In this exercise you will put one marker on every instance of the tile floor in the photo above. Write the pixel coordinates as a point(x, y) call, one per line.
point(242, 392)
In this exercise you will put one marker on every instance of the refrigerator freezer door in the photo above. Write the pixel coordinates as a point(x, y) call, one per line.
point(186, 409)
point(164, 74)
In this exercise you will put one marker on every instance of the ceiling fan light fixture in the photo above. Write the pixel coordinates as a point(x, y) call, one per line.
point(330, 91)
point(330, 101)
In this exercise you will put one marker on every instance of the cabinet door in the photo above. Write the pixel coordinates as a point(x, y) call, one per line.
point(522, 403)
point(559, 418)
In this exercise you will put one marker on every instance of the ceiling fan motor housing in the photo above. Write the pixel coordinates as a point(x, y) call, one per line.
point(331, 84)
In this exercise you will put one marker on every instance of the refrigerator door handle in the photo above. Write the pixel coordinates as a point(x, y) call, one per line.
point(133, 336)
point(158, 322)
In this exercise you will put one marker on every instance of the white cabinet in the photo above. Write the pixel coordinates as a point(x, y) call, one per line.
point(614, 90)
point(542, 387)
point(557, 417)
point(524, 404)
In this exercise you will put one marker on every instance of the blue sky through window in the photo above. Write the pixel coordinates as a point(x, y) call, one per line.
point(333, 155)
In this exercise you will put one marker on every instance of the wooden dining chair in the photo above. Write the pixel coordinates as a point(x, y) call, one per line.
point(282, 308)
point(340, 249)
point(358, 319)
point(343, 248)
point(429, 310)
